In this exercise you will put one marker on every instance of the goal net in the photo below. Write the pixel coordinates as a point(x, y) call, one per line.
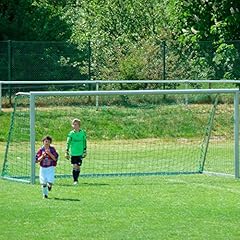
point(142, 132)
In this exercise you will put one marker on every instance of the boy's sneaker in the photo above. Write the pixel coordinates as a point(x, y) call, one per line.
point(45, 196)
point(49, 187)
point(75, 183)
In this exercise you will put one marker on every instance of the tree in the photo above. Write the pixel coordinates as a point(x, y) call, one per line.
point(203, 20)
point(116, 29)
point(215, 22)
point(42, 50)
point(29, 20)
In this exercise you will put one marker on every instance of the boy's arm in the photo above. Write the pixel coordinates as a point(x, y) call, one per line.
point(53, 154)
point(68, 146)
point(84, 146)
point(39, 156)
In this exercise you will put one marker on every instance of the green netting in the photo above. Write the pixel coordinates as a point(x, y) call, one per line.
point(127, 135)
point(17, 163)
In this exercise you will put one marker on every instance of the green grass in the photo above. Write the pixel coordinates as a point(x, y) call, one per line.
point(146, 207)
point(170, 207)
point(124, 122)
point(132, 157)
point(5, 123)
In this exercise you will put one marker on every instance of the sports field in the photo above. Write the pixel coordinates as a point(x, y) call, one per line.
point(149, 207)
point(193, 206)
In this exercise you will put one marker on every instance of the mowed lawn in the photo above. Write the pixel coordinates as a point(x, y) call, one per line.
point(146, 207)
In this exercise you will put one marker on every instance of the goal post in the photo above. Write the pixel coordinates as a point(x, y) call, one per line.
point(205, 143)
point(236, 133)
point(154, 145)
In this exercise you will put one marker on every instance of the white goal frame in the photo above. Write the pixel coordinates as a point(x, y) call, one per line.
point(34, 94)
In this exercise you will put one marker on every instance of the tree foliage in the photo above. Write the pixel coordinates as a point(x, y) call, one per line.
point(205, 20)
point(32, 20)
point(217, 23)
point(120, 20)
point(126, 35)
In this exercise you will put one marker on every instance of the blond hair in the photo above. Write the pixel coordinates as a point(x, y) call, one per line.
point(76, 120)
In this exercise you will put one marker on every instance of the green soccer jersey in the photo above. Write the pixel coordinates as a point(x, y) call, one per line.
point(76, 143)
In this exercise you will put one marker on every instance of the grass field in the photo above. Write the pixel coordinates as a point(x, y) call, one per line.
point(145, 207)
point(156, 207)
point(196, 206)
point(135, 157)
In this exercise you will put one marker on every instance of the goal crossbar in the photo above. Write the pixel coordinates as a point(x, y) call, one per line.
point(131, 92)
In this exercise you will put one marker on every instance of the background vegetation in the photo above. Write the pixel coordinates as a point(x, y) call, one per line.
point(123, 122)
point(121, 39)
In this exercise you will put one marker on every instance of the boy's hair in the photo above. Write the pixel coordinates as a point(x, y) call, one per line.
point(77, 121)
point(48, 138)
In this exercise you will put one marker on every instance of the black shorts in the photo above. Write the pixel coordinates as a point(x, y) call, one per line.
point(76, 160)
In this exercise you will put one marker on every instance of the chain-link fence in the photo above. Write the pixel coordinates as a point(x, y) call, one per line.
point(44, 61)
point(148, 60)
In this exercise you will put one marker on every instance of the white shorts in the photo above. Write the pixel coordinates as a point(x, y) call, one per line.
point(46, 175)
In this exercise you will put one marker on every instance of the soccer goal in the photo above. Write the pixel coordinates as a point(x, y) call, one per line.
point(137, 132)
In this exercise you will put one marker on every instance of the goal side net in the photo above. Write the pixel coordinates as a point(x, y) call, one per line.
point(142, 132)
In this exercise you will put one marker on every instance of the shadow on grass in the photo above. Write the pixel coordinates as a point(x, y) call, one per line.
point(67, 199)
point(96, 184)
point(83, 184)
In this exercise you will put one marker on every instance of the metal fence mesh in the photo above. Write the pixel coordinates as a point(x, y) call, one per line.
point(163, 60)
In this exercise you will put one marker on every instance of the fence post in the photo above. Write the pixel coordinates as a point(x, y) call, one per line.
point(97, 88)
point(164, 65)
point(186, 95)
point(0, 96)
point(89, 60)
point(9, 69)
point(164, 59)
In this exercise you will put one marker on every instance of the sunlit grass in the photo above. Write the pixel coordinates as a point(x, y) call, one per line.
point(120, 122)
point(145, 156)
point(170, 207)
point(163, 138)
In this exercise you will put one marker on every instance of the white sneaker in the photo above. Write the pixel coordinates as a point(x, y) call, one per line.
point(75, 183)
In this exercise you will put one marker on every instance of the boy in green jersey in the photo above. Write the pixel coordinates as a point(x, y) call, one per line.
point(76, 148)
